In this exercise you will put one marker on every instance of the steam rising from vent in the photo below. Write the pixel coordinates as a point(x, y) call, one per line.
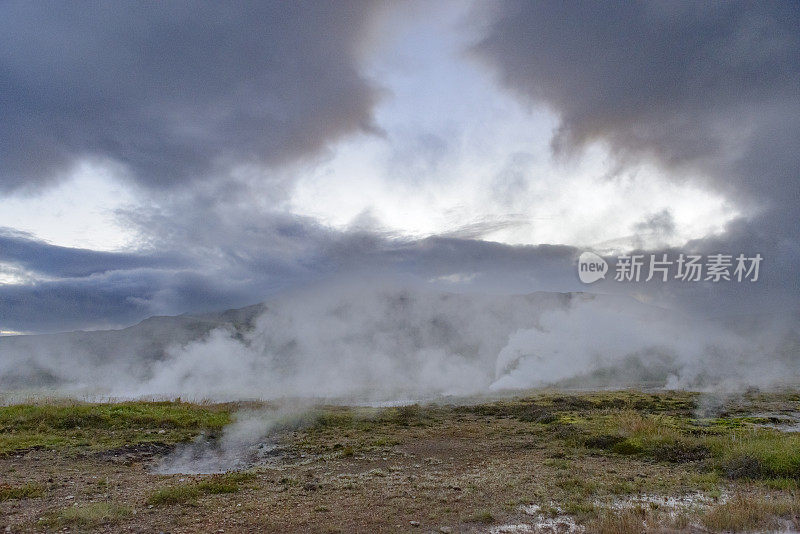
point(377, 344)
point(583, 342)
point(250, 439)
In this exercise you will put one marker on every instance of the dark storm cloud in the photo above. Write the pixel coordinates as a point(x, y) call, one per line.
point(708, 87)
point(175, 91)
point(114, 299)
point(34, 256)
point(179, 91)
point(236, 259)
point(70, 304)
point(708, 84)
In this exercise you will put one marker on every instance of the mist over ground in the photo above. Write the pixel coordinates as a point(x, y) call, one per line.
point(381, 342)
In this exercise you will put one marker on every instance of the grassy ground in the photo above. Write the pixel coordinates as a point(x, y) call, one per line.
point(70, 426)
point(549, 462)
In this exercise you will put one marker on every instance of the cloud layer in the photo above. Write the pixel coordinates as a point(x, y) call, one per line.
point(214, 112)
point(710, 85)
point(707, 87)
point(175, 92)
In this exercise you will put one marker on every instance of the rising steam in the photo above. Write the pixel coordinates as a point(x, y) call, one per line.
point(373, 344)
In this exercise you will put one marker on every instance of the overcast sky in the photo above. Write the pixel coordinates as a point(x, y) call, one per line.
point(163, 158)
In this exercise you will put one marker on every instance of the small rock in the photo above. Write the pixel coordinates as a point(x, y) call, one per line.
point(414, 523)
point(446, 530)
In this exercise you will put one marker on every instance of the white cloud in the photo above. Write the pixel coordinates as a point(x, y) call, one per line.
point(458, 152)
point(79, 212)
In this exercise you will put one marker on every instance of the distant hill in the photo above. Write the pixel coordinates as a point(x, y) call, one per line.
point(39, 360)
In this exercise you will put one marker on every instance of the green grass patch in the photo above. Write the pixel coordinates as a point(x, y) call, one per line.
point(734, 447)
point(105, 426)
point(736, 423)
point(672, 403)
point(87, 515)
point(747, 514)
point(664, 438)
point(188, 493)
point(758, 454)
point(25, 491)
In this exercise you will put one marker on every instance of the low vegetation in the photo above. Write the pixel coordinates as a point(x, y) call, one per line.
point(744, 513)
point(105, 426)
point(608, 462)
point(188, 493)
point(87, 515)
point(619, 522)
point(24, 491)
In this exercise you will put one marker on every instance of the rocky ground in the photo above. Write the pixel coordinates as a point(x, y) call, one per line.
point(547, 462)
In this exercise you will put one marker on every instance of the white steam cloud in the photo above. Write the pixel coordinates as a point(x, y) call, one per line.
point(252, 438)
point(377, 344)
